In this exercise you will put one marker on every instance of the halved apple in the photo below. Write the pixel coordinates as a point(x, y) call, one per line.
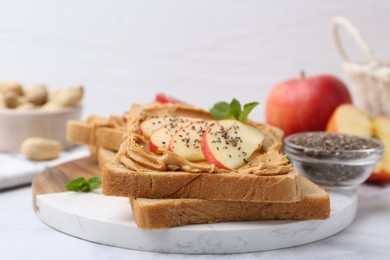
point(228, 144)
point(381, 126)
point(348, 119)
point(381, 173)
point(186, 141)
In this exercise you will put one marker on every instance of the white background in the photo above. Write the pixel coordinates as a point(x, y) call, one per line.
point(200, 51)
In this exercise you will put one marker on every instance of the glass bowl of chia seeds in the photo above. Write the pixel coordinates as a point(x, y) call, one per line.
point(335, 161)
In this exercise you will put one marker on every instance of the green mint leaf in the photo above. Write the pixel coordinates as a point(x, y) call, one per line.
point(85, 188)
point(94, 182)
point(247, 109)
point(235, 109)
point(220, 110)
point(224, 110)
point(77, 184)
point(82, 185)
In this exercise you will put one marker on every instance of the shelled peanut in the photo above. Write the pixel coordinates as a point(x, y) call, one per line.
point(38, 96)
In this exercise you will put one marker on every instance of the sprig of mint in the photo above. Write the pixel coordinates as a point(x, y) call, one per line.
point(224, 110)
point(83, 185)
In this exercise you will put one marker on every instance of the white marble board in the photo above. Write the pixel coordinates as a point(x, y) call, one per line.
point(109, 221)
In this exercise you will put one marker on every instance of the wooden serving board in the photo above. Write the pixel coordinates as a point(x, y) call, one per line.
point(109, 220)
point(53, 180)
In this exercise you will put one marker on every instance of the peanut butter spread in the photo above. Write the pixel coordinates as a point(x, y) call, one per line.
point(136, 156)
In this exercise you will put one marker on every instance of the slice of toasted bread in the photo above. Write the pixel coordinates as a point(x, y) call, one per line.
point(165, 213)
point(120, 181)
point(109, 138)
point(106, 136)
point(104, 156)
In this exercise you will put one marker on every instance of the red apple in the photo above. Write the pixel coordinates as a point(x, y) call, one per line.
point(228, 144)
point(305, 104)
point(163, 99)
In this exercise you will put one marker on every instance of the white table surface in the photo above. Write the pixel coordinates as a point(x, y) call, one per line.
point(24, 236)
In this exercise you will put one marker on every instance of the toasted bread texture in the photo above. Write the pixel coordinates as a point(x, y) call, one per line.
point(104, 156)
point(104, 135)
point(120, 181)
point(166, 213)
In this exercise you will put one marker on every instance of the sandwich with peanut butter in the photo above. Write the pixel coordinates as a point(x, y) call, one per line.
point(164, 155)
point(179, 151)
point(166, 213)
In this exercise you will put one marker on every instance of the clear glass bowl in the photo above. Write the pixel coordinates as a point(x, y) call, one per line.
point(339, 166)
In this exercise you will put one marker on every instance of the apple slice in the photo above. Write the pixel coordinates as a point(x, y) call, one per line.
point(164, 99)
point(348, 119)
point(186, 141)
point(125, 118)
point(229, 143)
point(163, 135)
point(381, 127)
point(381, 173)
point(148, 126)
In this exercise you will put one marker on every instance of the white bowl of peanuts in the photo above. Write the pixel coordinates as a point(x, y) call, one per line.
point(36, 112)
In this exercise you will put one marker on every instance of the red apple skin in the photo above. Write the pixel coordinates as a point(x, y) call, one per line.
point(124, 118)
point(164, 99)
point(208, 154)
point(170, 147)
point(152, 147)
point(305, 104)
point(379, 177)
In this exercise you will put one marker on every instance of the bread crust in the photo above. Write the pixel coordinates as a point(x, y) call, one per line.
point(119, 181)
point(165, 213)
point(107, 137)
point(104, 156)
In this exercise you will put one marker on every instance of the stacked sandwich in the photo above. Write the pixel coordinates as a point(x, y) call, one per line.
point(179, 166)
